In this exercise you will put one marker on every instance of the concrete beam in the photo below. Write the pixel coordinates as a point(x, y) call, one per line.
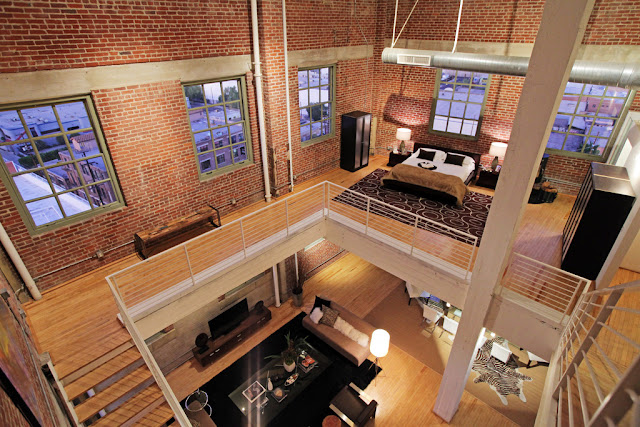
point(329, 55)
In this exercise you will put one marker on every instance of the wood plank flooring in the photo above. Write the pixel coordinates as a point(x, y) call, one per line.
point(76, 321)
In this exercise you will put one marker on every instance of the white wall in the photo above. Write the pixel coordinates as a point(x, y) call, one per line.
point(631, 260)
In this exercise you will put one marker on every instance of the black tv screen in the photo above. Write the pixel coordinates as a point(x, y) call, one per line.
point(229, 319)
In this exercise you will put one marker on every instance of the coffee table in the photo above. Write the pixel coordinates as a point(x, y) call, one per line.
point(258, 404)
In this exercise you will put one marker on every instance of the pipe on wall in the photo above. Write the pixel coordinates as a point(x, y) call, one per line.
point(286, 91)
point(276, 285)
point(605, 73)
point(17, 261)
point(259, 99)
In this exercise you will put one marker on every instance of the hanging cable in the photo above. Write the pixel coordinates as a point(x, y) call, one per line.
point(395, 18)
point(395, 39)
point(455, 42)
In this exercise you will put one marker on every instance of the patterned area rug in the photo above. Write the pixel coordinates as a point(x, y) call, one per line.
point(503, 378)
point(469, 218)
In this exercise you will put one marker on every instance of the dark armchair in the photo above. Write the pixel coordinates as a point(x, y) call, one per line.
point(353, 406)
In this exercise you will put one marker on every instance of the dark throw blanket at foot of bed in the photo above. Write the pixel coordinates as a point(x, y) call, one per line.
point(469, 218)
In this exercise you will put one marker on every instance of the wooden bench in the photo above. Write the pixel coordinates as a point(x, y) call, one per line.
point(158, 239)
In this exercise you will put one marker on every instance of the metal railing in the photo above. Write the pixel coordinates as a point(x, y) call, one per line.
point(543, 286)
point(599, 360)
point(166, 276)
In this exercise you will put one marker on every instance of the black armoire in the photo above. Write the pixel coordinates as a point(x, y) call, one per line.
point(601, 208)
point(354, 140)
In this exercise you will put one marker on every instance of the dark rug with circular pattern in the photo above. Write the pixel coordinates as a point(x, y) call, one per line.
point(469, 218)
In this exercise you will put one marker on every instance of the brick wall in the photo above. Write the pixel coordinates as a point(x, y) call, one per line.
point(312, 260)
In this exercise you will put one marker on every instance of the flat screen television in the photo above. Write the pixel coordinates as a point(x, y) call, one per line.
point(229, 319)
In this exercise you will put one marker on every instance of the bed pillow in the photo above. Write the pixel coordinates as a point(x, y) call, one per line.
point(426, 155)
point(316, 315)
point(320, 302)
point(439, 155)
point(329, 316)
point(455, 159)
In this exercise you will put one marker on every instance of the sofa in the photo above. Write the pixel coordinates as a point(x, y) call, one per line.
point(344, 345)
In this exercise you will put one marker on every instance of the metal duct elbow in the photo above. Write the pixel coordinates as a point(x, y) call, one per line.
point(603, 73)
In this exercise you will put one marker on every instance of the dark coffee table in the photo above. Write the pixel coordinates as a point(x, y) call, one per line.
point(260, 405)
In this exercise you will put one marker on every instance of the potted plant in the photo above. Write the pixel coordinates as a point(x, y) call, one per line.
point(290, 354)
point(296, 292)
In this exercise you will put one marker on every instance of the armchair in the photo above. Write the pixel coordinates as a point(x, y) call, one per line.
point(353, 406)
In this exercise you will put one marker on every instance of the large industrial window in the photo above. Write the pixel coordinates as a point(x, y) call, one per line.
point(55, 162)
point(316, 103)
point(458, 103)
point(586, 120)
point(217, 112)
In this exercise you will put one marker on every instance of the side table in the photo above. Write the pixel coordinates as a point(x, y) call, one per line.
point(488, 179)
point(395, 158)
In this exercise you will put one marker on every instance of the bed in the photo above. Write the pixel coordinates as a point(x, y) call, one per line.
point(427, 173)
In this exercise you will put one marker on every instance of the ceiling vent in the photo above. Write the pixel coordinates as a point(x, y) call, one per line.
point(421, 60)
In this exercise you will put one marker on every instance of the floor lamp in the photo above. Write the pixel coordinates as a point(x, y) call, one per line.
point(379, 346)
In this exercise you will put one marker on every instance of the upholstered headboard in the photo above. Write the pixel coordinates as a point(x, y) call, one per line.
point(474, 156)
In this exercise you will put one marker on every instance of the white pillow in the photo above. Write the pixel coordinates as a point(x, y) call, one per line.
point(348, 330)
point(438, 157)
point(468, 161)
point(316, 315)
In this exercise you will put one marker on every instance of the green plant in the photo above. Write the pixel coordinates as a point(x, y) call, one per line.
point(589, 148)
point(295, 345)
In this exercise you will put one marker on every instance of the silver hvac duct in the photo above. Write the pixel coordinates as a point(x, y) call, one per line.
point(604, 73)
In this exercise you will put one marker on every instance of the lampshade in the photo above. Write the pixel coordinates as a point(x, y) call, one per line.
point(380, 343)
point(498, 149)
point(403, 134)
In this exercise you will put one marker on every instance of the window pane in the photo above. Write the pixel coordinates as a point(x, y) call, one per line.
point(324, 76)
point(594, 146)
point(556, 140)
point(19, 157)
point(457, 109)
point(223, 157)
point(617, 92)
point(314, 77)
point(102, 194)
point(72, 204)
point(44, 211)
point(454, 125)
point(233, 112)
point(54, 150)
point(303, 98)
point(561, 123)
point(83, 144)
point(445, 91)
point(578, 125)
point(611, 107)
point(73, 115)
point(469, 127)
point(11, 128)
point(93, 170)
point(206, 162)
point(461, 93)
point(568, 104)
point(314, 95)
point(326, 127)
point(464, 77)
point(573, 88)
point(203, 141)
point(231, 90)
point(477, 94)
point(326, 110)
point(442, 107)
point(324, 93)
point(213, 93)
point(305, 133)
point(216, 116)
point(448, 75)
point(574, 143)
point(305, 116)
point(603, 127)
point(221, 137)
point(480, 78)
point(440, 123)
point(473, 111)
point(198, 119)
point(42, 119)
point(194, 96)
point(32, 185)
point(237, 133)
point(594, 90)
point(316, 113)
point(316, 130)
point(588, 105)
point(239, 153)
point(302, 79)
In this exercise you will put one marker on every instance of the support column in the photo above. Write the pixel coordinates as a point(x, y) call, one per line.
point(559, 36)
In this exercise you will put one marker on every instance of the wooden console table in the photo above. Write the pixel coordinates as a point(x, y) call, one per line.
point(222, 345)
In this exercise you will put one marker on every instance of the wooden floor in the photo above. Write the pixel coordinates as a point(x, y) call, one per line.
point(76, 321)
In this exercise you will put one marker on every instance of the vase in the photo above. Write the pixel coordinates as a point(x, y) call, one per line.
point(287, 367)
point(403, 148)
point(297, 299)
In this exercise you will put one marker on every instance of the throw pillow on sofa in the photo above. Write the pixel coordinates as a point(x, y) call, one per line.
point(329, 316)
point(316, 315)
point(349, 331)
point(319, 302)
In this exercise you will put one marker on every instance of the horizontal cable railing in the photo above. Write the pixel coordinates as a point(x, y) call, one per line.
point(545, 286)
point(598, 360)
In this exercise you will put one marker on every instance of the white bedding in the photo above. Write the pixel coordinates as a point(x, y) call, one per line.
point(462, 172)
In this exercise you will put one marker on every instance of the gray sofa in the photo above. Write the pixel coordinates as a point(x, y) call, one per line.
point(341, 343)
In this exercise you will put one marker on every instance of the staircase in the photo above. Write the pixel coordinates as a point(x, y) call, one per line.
point(117, 389)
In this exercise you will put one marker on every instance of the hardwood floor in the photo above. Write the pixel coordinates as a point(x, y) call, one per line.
point(76, 321)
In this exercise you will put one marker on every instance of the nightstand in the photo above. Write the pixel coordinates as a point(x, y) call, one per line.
point(488, 178)
point(395, 158)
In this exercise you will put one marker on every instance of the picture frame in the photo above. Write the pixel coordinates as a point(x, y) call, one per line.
point(254, 391)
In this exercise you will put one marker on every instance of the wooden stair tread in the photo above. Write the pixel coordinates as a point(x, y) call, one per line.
point(67, 366)
point(112, 393)
point(131, 407)
point(102, 373)
point(157, 417)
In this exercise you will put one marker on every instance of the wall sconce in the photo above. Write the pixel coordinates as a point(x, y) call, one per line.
point(498, 149)
point(403, 134)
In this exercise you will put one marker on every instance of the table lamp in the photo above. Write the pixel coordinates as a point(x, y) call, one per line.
point(498, 149)
point(379, 346)
point(403, 134)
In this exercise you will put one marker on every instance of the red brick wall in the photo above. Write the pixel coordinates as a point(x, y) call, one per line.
point(10, 415)
point(312, 260)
